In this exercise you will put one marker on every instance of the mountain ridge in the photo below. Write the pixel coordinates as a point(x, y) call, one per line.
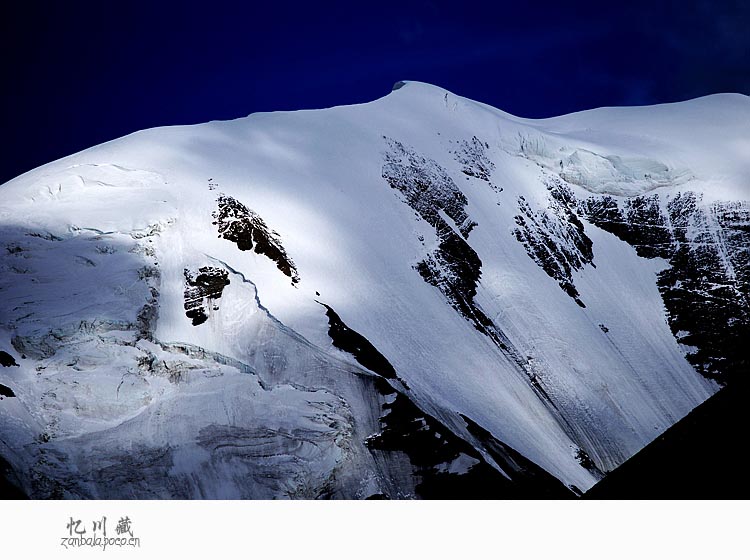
point(527, 287)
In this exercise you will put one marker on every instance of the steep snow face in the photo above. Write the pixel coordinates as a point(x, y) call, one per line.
point(418, 296)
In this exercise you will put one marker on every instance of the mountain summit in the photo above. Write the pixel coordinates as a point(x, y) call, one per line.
point(421, 296)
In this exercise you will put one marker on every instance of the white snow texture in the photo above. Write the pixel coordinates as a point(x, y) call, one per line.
point(119, 394)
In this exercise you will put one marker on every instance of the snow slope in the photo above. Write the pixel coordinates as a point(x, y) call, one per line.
point(467, 246)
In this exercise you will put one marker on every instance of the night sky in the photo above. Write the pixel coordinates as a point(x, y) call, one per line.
point(76, 74)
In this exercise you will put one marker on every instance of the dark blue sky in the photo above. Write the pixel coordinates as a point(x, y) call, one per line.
point(76, 74)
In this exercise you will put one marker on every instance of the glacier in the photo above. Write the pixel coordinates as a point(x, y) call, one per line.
point(420, 296)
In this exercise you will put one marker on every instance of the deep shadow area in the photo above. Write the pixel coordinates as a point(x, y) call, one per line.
point(433, 449)
point(6, 392)
point(357, 345)
point(6, 360)
point(701, 457)
point(9, 490)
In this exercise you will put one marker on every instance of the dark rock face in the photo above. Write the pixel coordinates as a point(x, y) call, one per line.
point(554, 237)
point(706, 288)
point(6, 360)
point(426, 187)
point(6, 391)
point(237, 223)
point(585, 461)
point(357, 345)
point(449, 467)
point(454, 267)
point(734, 219)
point(446, 466)
point(530, 478)
point(202, 290)
point(472, 155)
point(640, 222)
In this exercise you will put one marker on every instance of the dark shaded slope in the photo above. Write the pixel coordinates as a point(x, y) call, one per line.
point(445, 465)
point(706, 288)
point(237, 223)
point(9, 489)
point(6, 360)
point(700, 457)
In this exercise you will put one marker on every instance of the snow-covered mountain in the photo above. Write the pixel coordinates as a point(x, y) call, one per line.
point(421, 296)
